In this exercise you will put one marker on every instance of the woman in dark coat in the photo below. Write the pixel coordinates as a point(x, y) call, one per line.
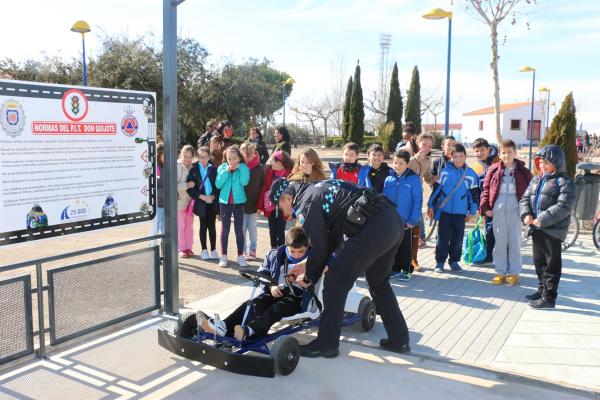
point(282, 140)
point(254, 136)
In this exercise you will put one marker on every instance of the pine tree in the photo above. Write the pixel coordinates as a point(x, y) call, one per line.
point(394, 111)
point(356, 127)
point(346, 113)
point(563, 133)
point(413, 101)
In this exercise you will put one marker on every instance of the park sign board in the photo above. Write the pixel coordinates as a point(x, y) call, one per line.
point(74, 159)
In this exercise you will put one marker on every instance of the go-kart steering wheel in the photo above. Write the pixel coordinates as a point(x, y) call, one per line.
point(258, 277)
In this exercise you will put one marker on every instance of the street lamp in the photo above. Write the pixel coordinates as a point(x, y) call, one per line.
point(438, 13)
point(83, 28)
point(527, 68)
point(546, 90)
point(288, 81)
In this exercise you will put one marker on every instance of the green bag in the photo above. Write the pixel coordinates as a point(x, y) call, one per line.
point(475, 250)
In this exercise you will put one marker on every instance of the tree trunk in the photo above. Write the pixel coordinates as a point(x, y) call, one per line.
point(325, 131)
point(494, 66)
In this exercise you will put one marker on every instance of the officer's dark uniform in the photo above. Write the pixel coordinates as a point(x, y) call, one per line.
point(322, 209)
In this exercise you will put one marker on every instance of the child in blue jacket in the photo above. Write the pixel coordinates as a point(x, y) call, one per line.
point(455, 195)
point(404, 188)
point(374, 174)
point(275, 303)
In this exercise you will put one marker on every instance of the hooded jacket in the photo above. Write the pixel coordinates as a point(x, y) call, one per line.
point(465, 200)
point(481, 167)
point(232, 182)
point(374, 180)
point(273, 262)
point(345, 172)
point(406, 191)
point(493, 180)
point(550, 198)
point(199, 188)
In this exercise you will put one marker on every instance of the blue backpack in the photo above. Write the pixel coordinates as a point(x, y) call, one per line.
point(474, 245)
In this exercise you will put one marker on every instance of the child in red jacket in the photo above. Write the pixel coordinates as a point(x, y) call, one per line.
point(503, 187)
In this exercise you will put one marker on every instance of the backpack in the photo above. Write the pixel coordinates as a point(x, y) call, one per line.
point(474, 246)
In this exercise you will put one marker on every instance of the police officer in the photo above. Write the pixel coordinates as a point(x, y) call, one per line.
point(330, 212)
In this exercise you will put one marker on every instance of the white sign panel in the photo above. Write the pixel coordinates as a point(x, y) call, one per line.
point(74, 159)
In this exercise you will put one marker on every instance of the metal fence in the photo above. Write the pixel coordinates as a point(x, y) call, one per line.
point(82, 297)
point(16, 321)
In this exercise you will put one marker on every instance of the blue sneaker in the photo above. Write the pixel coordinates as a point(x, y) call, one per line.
point(439, 267)
point(403, 276)
point(455, 267)
point(394, 274)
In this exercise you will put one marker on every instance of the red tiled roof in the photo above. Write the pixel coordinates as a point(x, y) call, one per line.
point(439, 127)
point(503, 107)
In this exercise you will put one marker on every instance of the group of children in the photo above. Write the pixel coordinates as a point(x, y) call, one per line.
point(498, 186)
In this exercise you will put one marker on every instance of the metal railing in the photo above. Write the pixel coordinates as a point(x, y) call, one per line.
point(25, 333)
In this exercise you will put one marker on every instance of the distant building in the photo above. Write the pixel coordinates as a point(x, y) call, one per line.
point(453, 129)
point(514, 123)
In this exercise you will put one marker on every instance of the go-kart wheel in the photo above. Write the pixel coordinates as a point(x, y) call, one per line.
point(187, 326)
point(285, 352)
point(263, 278)
point(368, 313)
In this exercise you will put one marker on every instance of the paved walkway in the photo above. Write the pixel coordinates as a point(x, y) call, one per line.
point(128, 364)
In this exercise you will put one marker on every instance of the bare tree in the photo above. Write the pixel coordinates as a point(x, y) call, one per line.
point(313, 111)
point(339, 77)
point(492, 13)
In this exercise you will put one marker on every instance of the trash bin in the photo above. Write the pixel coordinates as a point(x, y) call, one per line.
point(587, 189)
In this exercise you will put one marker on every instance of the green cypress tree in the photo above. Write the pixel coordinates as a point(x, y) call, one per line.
point(356, 128)
point(394, 111)
point(413, 101)
point(346, 113)
point(563, 133)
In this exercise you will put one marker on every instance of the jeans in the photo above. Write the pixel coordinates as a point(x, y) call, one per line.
point(158, 227)
point(237, 210)
point(276, 229)
point(451, 230)
point(185, 230)
point(490, 241)
point(403, 260)
point(250, 227)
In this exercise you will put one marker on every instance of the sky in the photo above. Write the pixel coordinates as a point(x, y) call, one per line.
point(307, 38)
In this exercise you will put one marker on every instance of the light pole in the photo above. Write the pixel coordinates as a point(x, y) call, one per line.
point(546, 90)
point(288, 81)
point(83, 28)
point(527, 68)
point(438, 13)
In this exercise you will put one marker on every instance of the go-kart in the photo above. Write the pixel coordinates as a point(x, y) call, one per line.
point(277, 352)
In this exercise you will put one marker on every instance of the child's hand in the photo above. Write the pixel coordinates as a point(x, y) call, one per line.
point(191, 184)
point(259, 212)
point(430, 213)
point(410, 226)
point(528, 220)
point(300, 281)
point(536, 222)
point(232, 167)
point(489, 213)
point(210, 199)
point(276, 292)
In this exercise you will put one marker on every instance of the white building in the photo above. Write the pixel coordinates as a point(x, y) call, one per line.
point(514, 123)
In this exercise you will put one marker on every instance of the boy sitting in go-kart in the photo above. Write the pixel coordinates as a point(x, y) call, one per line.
point(275, 303)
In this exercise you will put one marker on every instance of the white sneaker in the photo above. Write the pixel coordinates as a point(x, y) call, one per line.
point(214, 255)
point(242, 261)
point(223, 261)
point(204, 255)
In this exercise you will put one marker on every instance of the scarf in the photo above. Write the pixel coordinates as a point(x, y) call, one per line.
point(293, 260)
point(253, 163)
point(203, 178)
